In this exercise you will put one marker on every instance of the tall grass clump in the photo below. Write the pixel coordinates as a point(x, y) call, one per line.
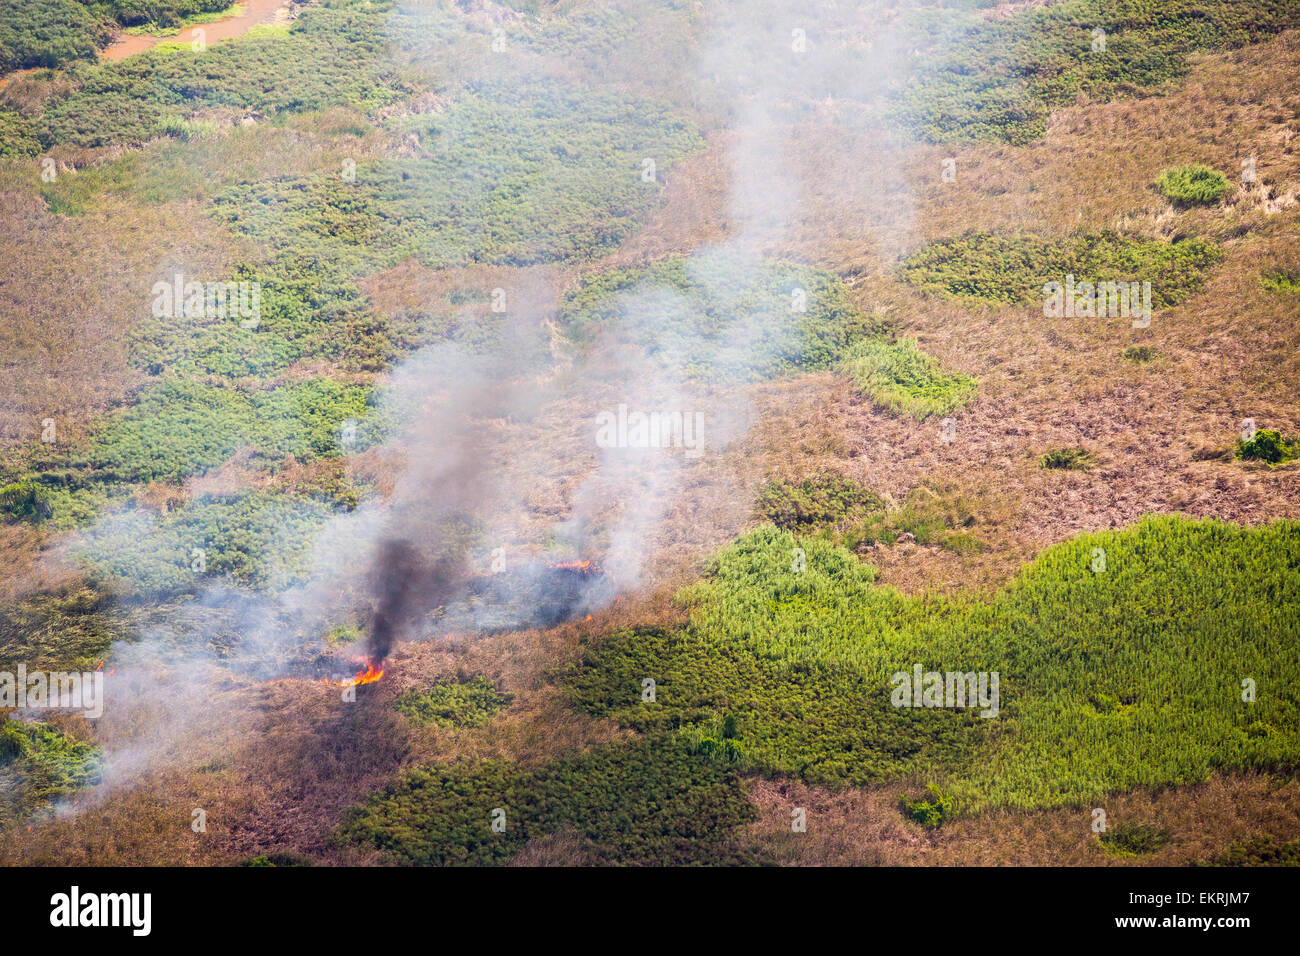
point(1192, 185)
point(900, 377)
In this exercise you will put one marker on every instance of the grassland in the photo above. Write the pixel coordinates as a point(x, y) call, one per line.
point(380, 170)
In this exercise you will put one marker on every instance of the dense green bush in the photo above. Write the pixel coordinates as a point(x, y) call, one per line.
point(1192, 184)
point(900, 377)
point(1014, 269)
point(930, 813)
point(648, 802)
point(469, 703)
point(1182, 611)
point(825, 499)
point(1267, 446)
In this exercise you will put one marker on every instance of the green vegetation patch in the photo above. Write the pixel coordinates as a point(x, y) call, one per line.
point(462, 703)
point(1281, 280)
point(1068, 459)
point(900, 377)
point(1015, 269)
point(64, 630)
point(251, 538)
point(1134, 839)
point(1179, 615)
point(719, 314)
point(1140, 354)
point(941, 516)
point(334, 54)
point(826, 499)
point(38, 764)
point(181, 427)
point(930, 813)
point(517, 174)
point(1267, 446)
point(1259, 851)
point(1192, 185)
point(648, 802)
point(1000, 78)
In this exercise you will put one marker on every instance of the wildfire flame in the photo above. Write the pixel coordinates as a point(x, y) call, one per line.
point(574, 565)
point(370, 675)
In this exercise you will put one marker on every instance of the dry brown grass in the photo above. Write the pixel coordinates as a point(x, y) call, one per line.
point(866, 827)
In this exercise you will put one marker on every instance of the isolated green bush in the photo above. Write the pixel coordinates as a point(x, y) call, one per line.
point(902, 378)
point(930, 813)
point(1192, 184)
point(1069, 459)
point(1268, 446)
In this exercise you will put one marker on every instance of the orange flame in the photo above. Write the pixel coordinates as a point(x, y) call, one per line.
point(574, 565)
point(371, 674)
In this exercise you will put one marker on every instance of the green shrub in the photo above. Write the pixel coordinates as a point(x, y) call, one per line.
point(647, 802)
point(1267, 446)
point(931, 813)
point(825, 499)
point(24, 499)
point(1281, 280)
point(1070, 459)
point(902, 378)
point(1134, 839)
point(1015, 269)
point(1139, 354)
point(470, 703)
point(1192, 184)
